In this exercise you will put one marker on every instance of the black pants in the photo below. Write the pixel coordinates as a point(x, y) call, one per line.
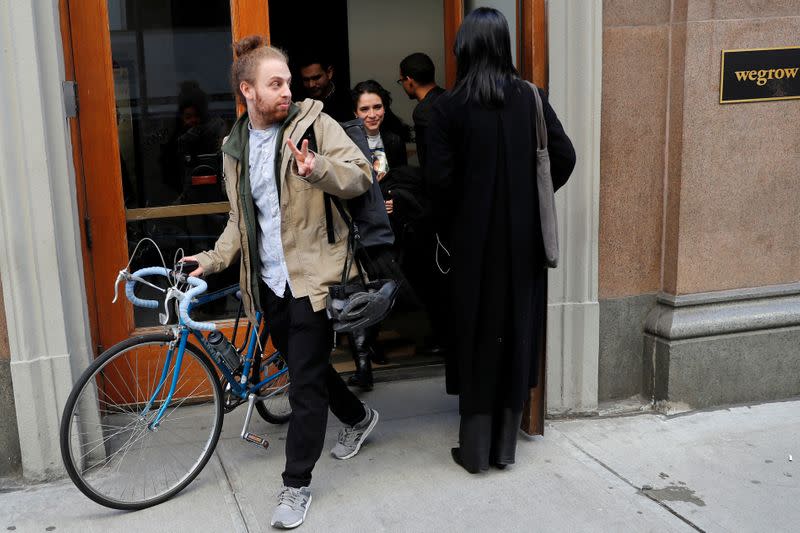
point(306, 339)
point(486, 439)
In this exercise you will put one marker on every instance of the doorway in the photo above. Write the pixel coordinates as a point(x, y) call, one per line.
point(154, 103)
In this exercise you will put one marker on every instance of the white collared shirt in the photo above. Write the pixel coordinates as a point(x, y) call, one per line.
point(265, 195)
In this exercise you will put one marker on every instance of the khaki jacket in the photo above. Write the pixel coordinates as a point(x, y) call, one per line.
point(340, 169)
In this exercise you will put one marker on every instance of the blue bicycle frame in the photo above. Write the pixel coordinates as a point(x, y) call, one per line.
point(241, 389)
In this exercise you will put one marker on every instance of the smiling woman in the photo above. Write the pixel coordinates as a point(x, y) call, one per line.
point(369, 108)
point(386, 133)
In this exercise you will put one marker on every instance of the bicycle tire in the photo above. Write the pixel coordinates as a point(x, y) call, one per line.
point(107, 406)
point(275, 409)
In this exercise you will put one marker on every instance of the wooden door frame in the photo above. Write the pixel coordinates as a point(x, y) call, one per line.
point(533, 66)
point(453, 16)
point(95, 140)
point(100, 175)
point(80, 189)
point(531, 32)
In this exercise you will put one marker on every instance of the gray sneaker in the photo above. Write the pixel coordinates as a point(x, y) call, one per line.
point(292, 507)
point(351, 438)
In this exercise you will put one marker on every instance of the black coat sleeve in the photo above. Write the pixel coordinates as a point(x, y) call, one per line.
point(559, 147)
point(395, 150)
point(440, 167)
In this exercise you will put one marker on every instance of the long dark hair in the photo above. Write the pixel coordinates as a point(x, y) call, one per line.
point(391, 122)
point(483, 58)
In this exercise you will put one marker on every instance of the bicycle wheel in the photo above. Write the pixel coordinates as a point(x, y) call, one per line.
point(108, 448)
point(275, 409)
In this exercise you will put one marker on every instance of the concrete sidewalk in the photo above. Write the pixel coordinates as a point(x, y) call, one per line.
point(724, 470)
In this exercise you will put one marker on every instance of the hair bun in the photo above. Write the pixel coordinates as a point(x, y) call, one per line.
point(247, 44)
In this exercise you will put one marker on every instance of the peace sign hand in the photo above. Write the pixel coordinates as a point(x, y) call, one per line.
point(305, 159)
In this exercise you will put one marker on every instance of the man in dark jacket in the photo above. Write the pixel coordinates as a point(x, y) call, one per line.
point(317, 76)
point(418, 79)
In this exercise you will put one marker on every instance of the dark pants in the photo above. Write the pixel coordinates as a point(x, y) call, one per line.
point(306, 339)
point(486, 439)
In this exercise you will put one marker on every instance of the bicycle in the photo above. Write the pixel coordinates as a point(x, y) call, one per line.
point(144, 418)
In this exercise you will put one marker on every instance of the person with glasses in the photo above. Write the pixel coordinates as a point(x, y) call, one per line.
point(418, 80)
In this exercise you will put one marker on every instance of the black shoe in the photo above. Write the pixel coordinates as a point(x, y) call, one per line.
point(378, 356)
point(434, 349)
point(361, 357)
point(355, 381)
point(456, 454)
point(365, 381)
point(363, 371)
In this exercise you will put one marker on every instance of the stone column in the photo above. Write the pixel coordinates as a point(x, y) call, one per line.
point(40, 257)
point(727, 324)
point(575, 60)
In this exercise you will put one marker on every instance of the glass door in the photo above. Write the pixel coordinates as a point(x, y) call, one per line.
point(154, 105)
point(171, 63)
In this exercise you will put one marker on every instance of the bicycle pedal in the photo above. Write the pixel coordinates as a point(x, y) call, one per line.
point(258, 440)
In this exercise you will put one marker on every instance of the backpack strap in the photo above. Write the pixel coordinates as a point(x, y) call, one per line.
point(312, 145)
point(354, 238)
point(329, 219)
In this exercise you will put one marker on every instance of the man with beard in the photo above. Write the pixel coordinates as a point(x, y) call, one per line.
point(276, 223)
point(317, 76)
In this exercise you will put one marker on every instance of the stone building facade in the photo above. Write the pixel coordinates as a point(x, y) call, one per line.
point(679, 284)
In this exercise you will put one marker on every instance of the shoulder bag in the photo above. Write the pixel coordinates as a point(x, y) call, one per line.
point(544, 185)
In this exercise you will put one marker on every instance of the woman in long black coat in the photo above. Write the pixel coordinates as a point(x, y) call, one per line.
point(482, 177)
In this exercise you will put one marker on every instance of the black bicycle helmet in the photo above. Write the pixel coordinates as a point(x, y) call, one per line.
point(363, 308)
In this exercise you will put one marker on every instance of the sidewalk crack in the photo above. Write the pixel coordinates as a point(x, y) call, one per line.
point(231, 498)
point(625, 480)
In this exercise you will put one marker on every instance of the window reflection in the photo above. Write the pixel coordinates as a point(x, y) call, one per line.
point(171, 63)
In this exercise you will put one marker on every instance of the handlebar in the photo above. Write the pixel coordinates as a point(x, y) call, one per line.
point(129, 286)
point(198, 287)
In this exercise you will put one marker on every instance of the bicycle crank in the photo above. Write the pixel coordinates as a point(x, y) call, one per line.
point(246, 435)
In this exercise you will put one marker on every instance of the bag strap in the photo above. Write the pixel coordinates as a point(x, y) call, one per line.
point(312, 145)
point(329, 219)
point(353, 240)
point(354, 237)
point(541, 126)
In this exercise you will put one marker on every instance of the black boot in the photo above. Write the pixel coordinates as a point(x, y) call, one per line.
point(363, 376)
point(376, 353)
